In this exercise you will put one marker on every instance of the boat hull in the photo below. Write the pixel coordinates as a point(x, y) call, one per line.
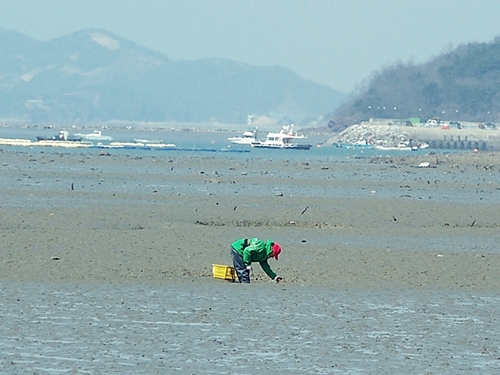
point(298, 146)
point(241, 141)
point(96, 135)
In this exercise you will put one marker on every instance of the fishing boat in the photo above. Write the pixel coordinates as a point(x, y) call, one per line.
point(285, 139)
point(402, 146)
point(353, 145)
point(398, 147)
point(63, 135)
point(247, 138)
point(96, 135)
point(288, 130)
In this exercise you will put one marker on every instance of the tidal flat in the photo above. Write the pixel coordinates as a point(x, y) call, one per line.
point(105, 264)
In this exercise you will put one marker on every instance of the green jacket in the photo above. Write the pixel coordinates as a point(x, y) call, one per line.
point(255, 250)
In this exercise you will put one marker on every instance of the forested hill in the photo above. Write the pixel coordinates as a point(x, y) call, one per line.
point(460, 84)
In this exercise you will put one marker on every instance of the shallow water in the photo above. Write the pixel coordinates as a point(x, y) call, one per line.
point(213, 142)
point(222, 328)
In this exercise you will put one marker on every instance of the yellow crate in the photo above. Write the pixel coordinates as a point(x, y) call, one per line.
point(224, 272)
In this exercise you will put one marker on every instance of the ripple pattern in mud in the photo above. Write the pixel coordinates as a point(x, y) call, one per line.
point(221, 328)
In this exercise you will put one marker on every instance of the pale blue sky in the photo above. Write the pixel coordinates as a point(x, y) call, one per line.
point(338, 43)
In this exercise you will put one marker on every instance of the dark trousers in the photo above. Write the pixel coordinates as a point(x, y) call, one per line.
point(241, 268)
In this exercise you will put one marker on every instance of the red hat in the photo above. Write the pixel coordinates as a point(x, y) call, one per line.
point(276, 251)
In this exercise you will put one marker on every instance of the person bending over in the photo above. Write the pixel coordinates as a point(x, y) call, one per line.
point(245, 251)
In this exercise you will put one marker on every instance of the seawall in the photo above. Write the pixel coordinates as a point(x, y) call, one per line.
point(436, 137)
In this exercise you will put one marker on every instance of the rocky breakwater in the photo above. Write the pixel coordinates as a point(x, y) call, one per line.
point(384, 135)
point(395, 135)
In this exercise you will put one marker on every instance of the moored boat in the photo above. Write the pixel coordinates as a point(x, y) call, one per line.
point(399, 147)
point(247, 138)
point(63, 135)
point(402, 146)
point(358, 144)
point(96, 135)
point(282, 140)
point(288, 131)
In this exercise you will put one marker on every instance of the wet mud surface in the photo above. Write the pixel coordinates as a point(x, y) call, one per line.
point(105, 265)
point(347, 223)
point(222, 328)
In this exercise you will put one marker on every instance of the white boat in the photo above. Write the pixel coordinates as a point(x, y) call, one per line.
point(63, 135)
point(288, 131)
point(403, 146)
point(282, 140)
point(96, 135)
point(247, 138)
point(399, 147)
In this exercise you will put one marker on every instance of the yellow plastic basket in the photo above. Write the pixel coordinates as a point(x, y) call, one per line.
point(224, 272)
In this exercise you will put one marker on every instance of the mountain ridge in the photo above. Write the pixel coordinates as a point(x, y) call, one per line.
point(461, 84)
point(93, 75)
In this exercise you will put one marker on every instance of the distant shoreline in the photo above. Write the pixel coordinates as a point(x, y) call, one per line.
point(151, 126)
point(204, 127)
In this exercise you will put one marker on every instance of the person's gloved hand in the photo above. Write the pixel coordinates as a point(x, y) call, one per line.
point(278, 279)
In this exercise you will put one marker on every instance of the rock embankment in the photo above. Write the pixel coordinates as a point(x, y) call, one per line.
point(394, 135)
point(480, 161)
point(388, 135)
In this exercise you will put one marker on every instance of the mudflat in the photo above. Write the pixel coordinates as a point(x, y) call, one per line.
point(354, 223)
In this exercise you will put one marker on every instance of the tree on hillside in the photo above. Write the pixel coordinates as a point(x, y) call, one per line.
point(460, 84)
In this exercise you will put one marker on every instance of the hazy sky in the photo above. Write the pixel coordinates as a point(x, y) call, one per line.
point(338, 43)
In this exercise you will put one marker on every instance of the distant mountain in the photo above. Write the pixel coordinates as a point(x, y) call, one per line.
point(94, 75)
point(460, 84)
